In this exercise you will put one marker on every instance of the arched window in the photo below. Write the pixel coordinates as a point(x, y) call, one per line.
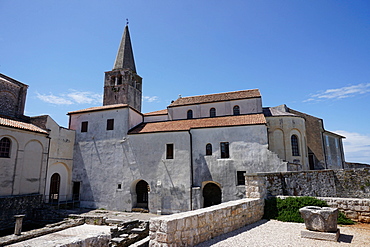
point(190, 114)
point(209, 149)
point(236, 110)
point(212, 112)
point(5, 147)
point(295, 147)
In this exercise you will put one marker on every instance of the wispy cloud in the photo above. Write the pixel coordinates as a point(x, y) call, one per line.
point(356, 146)
point(341, 93)
point(150, 99)
point(72, 97)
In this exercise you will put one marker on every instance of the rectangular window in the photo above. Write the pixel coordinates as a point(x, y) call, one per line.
point(169, 151)
point(240, 177)
point(224, 150)
point(110, 124)
point(84, 126)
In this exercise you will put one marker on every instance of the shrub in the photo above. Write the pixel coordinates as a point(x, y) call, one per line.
point(288, 209)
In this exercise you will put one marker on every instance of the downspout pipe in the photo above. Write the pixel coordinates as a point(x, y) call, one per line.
point(191, 169)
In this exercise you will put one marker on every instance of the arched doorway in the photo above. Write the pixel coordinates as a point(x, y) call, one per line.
point(211, 195)
point(54, 188)
point(142, 189)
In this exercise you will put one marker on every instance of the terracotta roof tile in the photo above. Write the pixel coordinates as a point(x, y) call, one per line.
point(253, 93)
point(154, 113)
point(183, 125)
point(99, 108)
point(21, 125)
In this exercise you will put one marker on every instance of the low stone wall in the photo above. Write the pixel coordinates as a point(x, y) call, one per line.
point(13, 205)
point(353, 208)
point(193, 227)
point(345, 183)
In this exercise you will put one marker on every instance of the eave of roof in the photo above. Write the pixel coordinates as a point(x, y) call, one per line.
point(184, 125)
point(209, 98)
point(99, 108)
point(332, 133)
point(155, 113)
point(21, 125)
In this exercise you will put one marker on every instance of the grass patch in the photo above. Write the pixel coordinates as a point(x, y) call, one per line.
point(287, 210)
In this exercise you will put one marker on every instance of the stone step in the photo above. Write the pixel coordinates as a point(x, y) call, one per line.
point(138, 230)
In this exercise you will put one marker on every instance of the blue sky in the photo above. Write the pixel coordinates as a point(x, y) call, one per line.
point(313, 56)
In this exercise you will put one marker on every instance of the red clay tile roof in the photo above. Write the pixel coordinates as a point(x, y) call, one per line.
point(99, 108)
point(183, 125)
point(21, 125)
point(155, 113)
point(245, 94)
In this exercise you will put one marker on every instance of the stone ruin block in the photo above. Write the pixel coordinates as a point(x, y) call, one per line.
point(322, 219)
point(321, 223)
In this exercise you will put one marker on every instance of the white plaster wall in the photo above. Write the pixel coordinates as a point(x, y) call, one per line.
point(248, 152)
point(25, 171)
point(97, 123)
point(159, 118)
point(333, 151)
point(224, 108)
point(281, 128)
point(169, 179)
point(134, 118)
point(65, 189)
point(60, 158)
point(101, 158)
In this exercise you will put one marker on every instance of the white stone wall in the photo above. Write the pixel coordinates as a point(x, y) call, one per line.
point(248, 152)
point(100, 160)
point(169, 179)
point(193, 227)
point(158, 118)
point(224, 108)
point(60, 158)
point(333, 151)
point(25, 171)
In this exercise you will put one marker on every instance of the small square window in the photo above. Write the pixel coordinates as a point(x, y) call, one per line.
point(110, 124)
point(224, 150)
point(169, 151)
point(84, 126)
point(240, 177)
point(119, 186)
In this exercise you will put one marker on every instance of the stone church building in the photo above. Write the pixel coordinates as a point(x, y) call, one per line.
point(36, 156)
point(191, 155)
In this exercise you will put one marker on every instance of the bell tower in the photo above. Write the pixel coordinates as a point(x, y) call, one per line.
point(122, 85)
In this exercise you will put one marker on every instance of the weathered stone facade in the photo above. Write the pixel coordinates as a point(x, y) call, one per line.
point(12, 205)
point(193, 227)
point(348, 183)
point(347, 190)
point(353, 183)
point(13, 96)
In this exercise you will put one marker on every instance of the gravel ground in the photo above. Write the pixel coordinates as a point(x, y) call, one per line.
point(276, 233)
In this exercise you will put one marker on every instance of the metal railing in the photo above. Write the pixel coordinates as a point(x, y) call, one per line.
point(62, 201)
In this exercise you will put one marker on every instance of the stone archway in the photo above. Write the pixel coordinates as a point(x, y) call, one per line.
point(142, 189)
point(212, 195)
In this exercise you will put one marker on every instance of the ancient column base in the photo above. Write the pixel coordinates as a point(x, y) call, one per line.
point(329, 236)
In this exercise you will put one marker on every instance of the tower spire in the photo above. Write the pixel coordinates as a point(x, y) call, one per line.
point(125, 55)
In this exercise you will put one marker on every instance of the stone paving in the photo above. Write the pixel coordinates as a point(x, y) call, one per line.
point(74, 236)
